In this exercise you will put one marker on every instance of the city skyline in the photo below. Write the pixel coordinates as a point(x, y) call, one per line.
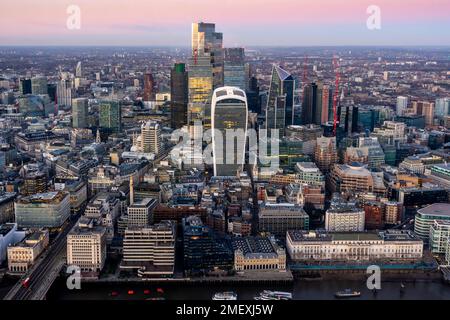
point(249, 23)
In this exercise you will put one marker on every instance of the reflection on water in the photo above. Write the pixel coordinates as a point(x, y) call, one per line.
point(302, 290)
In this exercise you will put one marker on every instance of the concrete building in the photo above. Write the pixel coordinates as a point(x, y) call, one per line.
point(439, 236)
point(352, 177)
point(8, 236)
point(325, 154)
point(394, 245)
point(150, 251)
point(22, 255)
point(344, 217)
point(413, 164)
point(140, 213)
point(426, 216)
point(86, 246)
point(43, 210)
point(277, 218)
point(309, 173)
point(151, 137)
point(258, 254)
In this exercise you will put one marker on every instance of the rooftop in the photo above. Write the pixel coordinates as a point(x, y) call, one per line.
point(437, 209)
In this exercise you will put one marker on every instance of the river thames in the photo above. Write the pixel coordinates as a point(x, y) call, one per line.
point(301, 290)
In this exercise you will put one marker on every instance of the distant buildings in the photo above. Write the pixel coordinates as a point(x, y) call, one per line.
point(80, 113)
point(149, 87)
point(402, 105)
point(396, 246)
point(110, 116)
point(234, 68)
point(43, 210)
point(151, 137)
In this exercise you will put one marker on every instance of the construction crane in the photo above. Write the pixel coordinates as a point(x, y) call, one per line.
point(336, 92)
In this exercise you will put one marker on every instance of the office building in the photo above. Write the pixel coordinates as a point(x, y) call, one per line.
point(64, 93)
point(179, 95)
point(229, 117)
point(43, 210)
point(8, 236)
point(280, 103)
point(397, 246)
point(151, 137)
point(277, 218)
point(34, 182)
point(325, 154)
point(149, 87)
point(350, 178)
point(426, 216)
point(412, 164)
point(258, 254)
point(203, 251)
point(140, 214)
point(374, 211)
point(402, 105)
point(80, 113)
point(23, 255)
point(344, 217)
point(86, 246)
point(150, 251)
point(309, 173)
point(110, 116)
point(25, 86)
point(439, 236)
point(39, 85)
point(234, 68)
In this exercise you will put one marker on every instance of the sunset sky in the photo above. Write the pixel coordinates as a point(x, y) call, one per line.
point(243, 22)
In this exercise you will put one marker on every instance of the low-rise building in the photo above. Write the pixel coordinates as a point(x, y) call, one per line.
point(344, 217)
point(389, 245)
point(258, 254)
point(43, 210)
point(23, 255)
point(277, 218)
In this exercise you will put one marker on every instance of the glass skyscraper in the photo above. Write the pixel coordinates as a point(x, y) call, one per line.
point(80, 113)
point(234, 68)
point(280, 104)
point(110, 116)
point(179, 95)
point(229, 112)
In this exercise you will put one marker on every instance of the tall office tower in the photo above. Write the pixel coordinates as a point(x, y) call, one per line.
point(151, 137)
point(229, 112)
point(39, 85)
point(25, 86)
point(64, 93)
point(205, 71)
point(253, 99)
point(179, 95)
point(309, 103)
point(149, 85)
point(80, 113)
point(110, 116)
point(323, 103)
point(402, 104)
point(78, 71)
point(280, 104)
point(325, 154)
point(428, 112)
point(234, 72)
point(52, 89)
point(442, 107)
point(206, 42)
point(349, 119)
